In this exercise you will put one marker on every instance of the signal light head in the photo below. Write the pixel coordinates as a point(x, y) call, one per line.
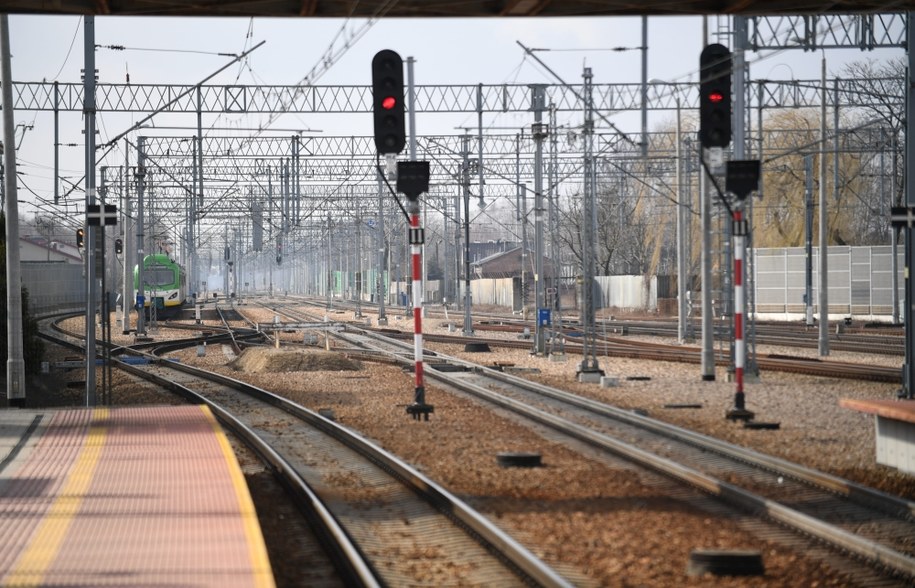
point(387, 102)
point(715, 90)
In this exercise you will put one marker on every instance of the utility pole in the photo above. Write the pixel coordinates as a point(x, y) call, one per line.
point(823, 292)
point(140, 240)
point(15, 362)
point(91, 233)
point(465, 182)
point(379, 231)
point(808, 240)
point(644, 88)
point(589, 367)
point(705, 214)
point(908, 369)
point(557, 345)
point(126, 227)
point(539, 133)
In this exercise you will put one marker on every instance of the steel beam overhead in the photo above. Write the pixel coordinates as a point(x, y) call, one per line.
point(447, 9)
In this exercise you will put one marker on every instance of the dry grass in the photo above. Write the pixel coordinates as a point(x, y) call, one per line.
point(265, 359)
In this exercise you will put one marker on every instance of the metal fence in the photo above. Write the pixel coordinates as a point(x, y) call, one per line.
point(53, 285)
point(860, 281)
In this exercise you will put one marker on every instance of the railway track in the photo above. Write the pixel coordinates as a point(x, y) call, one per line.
point(384, 522)
point(884, 340)
point(621, 346)
point(873, 527)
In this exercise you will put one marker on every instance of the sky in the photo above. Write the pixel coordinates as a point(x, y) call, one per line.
point(447, 51)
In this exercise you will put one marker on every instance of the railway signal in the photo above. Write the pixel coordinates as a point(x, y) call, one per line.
point(412, 178)
point(388, 102)
point(715, 96)
point(96, 215)
point(80, 237)
point(742, 178)
point(118, 246)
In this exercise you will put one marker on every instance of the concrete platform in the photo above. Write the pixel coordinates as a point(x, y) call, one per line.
point(895, 430)
point(138, 496)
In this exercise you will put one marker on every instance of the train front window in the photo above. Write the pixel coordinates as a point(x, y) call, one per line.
point(159, 277)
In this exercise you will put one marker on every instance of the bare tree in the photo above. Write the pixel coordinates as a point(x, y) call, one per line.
point(792, 135)
point(875, 91)
point(618, 232)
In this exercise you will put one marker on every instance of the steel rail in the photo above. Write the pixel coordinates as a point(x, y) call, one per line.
point(517, 555)
point(531, 568)
point(348, 559)
point(830, 534)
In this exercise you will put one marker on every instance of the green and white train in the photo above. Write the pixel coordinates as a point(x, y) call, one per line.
point(165, 284)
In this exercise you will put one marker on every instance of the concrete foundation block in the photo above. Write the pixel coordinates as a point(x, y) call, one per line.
point(589, 377)
point(609, 381)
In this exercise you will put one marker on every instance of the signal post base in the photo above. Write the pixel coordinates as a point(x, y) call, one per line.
point(420, 411)
point(739, 414)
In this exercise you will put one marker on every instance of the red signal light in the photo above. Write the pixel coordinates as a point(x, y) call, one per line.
point(388, 102)
point(715, 97)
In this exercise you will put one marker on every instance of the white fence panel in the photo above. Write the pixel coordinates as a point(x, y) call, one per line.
point(493, 292)
point(626, 292)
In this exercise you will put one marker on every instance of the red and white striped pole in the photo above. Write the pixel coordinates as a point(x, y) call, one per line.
point(739, 304)
point(739, 232)
point(419, 408)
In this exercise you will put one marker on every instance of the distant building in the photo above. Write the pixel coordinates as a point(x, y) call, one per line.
point(37, 249)
point(482, 249)
point(507, 264)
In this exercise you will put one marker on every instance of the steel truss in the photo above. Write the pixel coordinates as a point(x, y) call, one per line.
point(828, 31)
point(501, 98)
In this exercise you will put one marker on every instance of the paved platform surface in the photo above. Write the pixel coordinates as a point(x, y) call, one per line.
point(138, 496)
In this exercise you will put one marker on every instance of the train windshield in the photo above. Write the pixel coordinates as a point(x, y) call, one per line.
point(159, 276)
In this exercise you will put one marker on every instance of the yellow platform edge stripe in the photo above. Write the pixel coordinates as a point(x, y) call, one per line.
point(257, 549)
point(35, 560)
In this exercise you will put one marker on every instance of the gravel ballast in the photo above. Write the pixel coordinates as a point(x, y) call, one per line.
point(599, 521)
